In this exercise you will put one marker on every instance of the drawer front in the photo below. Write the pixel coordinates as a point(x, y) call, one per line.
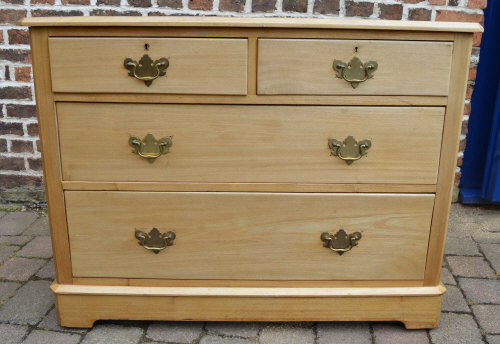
point(195, 66)
point(224, 143)
point(254, 236)
point(404, 68)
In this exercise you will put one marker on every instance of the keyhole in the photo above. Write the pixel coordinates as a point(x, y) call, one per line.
point(146, 46)
point(355, 49)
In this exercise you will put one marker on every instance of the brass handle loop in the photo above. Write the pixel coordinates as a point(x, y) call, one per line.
point(155, 240)
point(149, 147)
point(340, 242)
point(355, 71)
point(349, 150)
point(146, 69)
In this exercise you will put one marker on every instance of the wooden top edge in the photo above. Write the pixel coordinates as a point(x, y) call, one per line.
point(248, 22)
point(69, 289)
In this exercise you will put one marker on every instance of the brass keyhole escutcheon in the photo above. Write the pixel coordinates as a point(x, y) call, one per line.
point(149, 147)
point(146, 69)
point(340, 242)
point(355, 71)
point(349, 150)
point(155, 240)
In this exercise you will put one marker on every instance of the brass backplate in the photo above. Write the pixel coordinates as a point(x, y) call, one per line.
point(355, 71)
point(149, 147)
point(349, 150)
point(340, 242)
point(146, 69)
point(155, 240)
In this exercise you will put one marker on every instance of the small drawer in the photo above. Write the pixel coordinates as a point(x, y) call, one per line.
point(298, 66)
point(249, 144)
point(252, 236)
point(177, 65)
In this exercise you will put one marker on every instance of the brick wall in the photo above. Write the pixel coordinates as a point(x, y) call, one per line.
point(20, 165)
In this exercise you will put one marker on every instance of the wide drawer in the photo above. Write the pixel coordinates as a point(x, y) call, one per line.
point(195, 65)
point(224, 143)
point(298, 66)
point(254, 236)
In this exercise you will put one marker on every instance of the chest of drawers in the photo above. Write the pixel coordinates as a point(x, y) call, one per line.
point(248, 169)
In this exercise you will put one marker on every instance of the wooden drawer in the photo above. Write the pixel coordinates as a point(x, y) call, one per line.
point(255, 236)
point(228, 143)
point(196, 66)
point(306, 67)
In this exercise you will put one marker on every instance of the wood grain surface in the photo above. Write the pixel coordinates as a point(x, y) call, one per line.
point(404, 68)
point(255, 236)
point(247, 144)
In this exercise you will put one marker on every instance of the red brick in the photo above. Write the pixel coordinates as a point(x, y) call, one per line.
point(358, 9)
point(13, 181)
point(35, 164)
point(110, 2)
point(467, 107)
point(140, 3)
point(100, 12)
point(472, 74)
point(452, 2)
point(19, 146)
point(11, 16)
point(477, 3)
point(465, 128)
point(15, 55)
point(419, 14)
point(7, 73)
point(156, 14)
point(54, 13)
point(3, 145)
point(468, 93)
point(1, 36)
point(14, 2)
point(11, 164)
point(394, 12)
point(48, 2)
point(18, 37)
point(38, 147)
point(326, 6)
point(33, 129)
point(21, 111)
point(462, 145)
point(11, 129)
point(232, 5)
point(263, 6)
point(476, 39)
point(202, 5)
point(437, 2)
point(23, 74)
point(457, 16)
point(295, 6)
point(175, 4)
point(13, 92)
point(460, 161)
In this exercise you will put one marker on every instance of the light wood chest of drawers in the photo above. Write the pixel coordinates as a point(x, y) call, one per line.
point(294, 169)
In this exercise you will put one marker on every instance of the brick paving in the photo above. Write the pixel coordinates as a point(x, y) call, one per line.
point(470, 314)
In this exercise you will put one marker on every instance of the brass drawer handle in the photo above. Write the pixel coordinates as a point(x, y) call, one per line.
point(146, 69)
point(355, 71)
point(149, 147)
point(349, 150)
point(155, 240)
point(340, 242)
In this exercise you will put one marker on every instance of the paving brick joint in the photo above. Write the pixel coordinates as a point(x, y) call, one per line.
point(470, 312)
